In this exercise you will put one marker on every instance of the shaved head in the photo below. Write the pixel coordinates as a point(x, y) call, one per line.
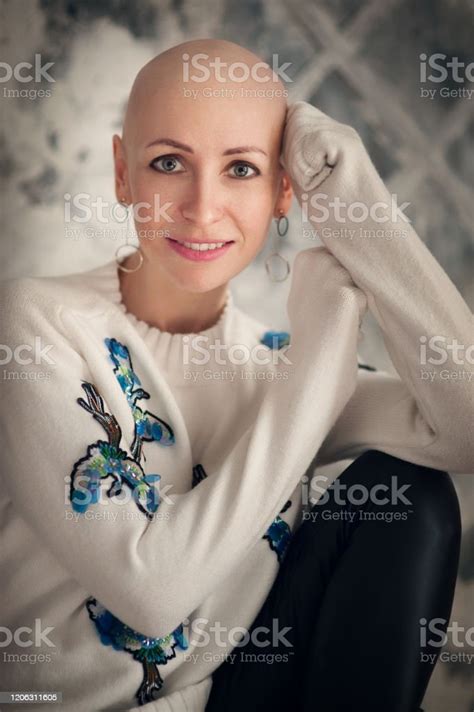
point(207, 71)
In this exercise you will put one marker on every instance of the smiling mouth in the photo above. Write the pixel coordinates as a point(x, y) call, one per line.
point(201, 246)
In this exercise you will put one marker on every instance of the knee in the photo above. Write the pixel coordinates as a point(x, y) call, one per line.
point(430, 492)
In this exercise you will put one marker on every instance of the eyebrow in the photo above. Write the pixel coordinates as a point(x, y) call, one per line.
point(188, 149)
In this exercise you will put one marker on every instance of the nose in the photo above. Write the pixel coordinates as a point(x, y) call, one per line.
point(202, 204)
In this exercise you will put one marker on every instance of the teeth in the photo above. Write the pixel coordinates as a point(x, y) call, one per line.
point(203, 246)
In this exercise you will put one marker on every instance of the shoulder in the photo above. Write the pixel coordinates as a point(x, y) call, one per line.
point(29, 302)
point(25, 300)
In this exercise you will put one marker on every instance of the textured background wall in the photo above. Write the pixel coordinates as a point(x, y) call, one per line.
point(358, 61)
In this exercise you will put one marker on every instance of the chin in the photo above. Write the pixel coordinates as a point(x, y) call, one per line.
point(200, 280)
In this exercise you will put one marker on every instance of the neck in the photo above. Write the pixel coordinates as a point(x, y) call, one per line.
point(152, 297)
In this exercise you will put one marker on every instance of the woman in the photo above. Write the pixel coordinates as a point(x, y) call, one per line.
point(156, 508)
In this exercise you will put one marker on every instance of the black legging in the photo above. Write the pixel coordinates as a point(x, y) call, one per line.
point(353, 595)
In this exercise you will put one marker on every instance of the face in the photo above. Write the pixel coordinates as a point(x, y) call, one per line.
point(202, 170)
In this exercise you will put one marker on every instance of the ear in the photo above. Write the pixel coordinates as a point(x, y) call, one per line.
point(122, 188)
point(284, 194)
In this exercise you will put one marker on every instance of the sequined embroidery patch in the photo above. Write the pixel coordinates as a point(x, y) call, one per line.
point(275, 339)
point(150, 652)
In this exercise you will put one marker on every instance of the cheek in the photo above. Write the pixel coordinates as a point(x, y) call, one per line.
point(152, 196)
point(254, 212)
point(162, 198)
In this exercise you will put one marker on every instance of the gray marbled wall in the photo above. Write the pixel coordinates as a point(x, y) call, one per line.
point(358, 61)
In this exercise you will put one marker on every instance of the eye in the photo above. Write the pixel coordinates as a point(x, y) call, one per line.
point(165, 164)
point(243, 170)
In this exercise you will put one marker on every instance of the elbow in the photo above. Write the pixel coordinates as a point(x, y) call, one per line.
point(459, 440)
point(150, 599)
point(463, 456)
point(455, 450)
point(153, 616)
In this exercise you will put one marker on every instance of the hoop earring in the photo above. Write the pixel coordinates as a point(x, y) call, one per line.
point(282, 225)
point(128, 270)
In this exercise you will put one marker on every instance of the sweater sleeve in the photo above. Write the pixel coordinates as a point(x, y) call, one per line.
point(152, 574)
point(425, 413)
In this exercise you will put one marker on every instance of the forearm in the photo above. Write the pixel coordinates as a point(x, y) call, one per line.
point(410, 295)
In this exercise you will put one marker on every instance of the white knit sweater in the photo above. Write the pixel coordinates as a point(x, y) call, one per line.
point(201, 558)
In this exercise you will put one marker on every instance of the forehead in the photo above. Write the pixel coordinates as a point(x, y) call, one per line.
point(213, 117)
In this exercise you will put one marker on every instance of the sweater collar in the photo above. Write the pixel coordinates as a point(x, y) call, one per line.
point(169, 348)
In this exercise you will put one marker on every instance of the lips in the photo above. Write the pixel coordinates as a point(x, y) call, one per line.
point(199, 250)
point(189, 242)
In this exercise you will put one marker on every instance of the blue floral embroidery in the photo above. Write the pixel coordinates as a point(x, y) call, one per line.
point(275, 339)
point(151, 652)
point(107, 459)
point(148, 427)
point(279, 534)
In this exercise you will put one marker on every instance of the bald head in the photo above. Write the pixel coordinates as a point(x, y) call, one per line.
point(205, 76)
